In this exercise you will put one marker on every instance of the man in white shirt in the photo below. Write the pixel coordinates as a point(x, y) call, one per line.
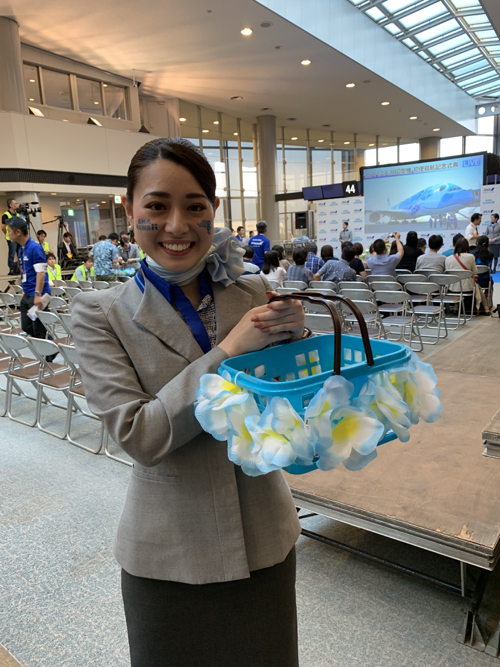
point(432, 261)
point(471, 231)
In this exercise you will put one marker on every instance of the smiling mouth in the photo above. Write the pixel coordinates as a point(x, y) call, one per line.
point(177, 249)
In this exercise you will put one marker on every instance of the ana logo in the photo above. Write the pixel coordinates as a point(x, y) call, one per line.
point(323, 213)
point(346, 202)
point(358, 210)
point(322, 203)
point(321, 222)
point(489, 189)
point(370, 237)
point(346, 211)
point(358, 201)
point(357, 220)
point(322, 238)
point(488, 212)
point(334, 230)
point(358, 229)
point(488, 201)
point(334, 203)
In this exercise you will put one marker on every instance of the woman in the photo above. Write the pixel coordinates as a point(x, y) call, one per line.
point(281, 254)
point(207, 553)
point(271, 267)
point(412, 253)
point(299, 271)
point(326, 253)
point(130, 254)
point(483, 257)
point(463, 260)
point(357, 263)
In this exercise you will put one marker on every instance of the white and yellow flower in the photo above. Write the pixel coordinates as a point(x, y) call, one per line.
point(380, 396)
point(272, 451)
point(280, 417)
point(428, 392)
point(335, 392)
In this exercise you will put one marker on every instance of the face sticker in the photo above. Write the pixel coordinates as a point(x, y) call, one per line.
point(207, 224)
point(145, 225)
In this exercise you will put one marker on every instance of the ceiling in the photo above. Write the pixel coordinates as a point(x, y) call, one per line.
point(193, 49)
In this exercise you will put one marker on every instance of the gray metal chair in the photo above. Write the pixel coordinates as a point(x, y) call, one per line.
point(58, 291)
point(71, 292)
point(400, 272)
point(371, 316)
point(51, 321)
point(352, 284)
point(398, 305)
point(86, 283)
point(323, 284)
point(383, 286)
point(100, 284)
point(430, 310)
point(11, 314)
point(17, 289)
point(380, 279)
point(57, 304)
point(358, 294)
point(295, 284)
point(463, 277)
point(287, 290)
point(60, 283)
point(450, 299)
point(274, 284)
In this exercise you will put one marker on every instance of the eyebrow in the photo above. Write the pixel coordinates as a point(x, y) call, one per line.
point(167, 195)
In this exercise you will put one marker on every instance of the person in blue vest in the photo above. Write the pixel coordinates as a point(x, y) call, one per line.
point(34, 278)
point(260, 244)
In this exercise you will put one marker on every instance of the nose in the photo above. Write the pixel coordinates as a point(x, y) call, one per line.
point(176, 224)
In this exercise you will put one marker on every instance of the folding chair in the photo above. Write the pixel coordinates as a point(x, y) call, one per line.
point(399, 306)
point(274, 284)
point(430, 310)
point(11, 314)
point(404, 279)
point(86, 284)
point(380, 279)
point(50, 321)
point(462, 276)
point(399, 272)
point(65, 319)
point(450, 298)
point(322, 284)
point(287, 290)
point(322, 292)
point(58, 291)
point(352, 284)
point(359, 279)
point(76, 392)
point(295, 284)
point(392, 286)
point(48, 379)
point(358, 294)
point(61, 283)
point(425, 272)
point(319, 323)
point(17, 289)
point(57, 304)
point(100, 284)
point(371, 316)
point(481, 269)
point(71, 292)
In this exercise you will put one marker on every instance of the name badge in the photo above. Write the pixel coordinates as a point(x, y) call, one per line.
point(23, 278)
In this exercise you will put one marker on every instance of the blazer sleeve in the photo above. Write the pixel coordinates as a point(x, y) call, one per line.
point(146, 427)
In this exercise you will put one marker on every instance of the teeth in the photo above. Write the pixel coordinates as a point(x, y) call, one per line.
point(176, 247)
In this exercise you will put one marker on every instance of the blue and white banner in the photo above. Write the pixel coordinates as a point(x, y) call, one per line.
point(330, 217)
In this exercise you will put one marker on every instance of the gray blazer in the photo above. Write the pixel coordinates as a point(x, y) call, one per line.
point(190, 514)
point(133, 253)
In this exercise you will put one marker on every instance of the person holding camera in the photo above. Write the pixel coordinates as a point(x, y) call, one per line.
point(382, 264)
point(10, 213)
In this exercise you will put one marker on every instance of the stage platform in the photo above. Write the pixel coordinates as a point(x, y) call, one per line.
point(437, 491)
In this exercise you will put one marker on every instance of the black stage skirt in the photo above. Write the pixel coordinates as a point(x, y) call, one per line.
point(245, 623)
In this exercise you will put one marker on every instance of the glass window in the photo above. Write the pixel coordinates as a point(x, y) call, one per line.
point(32, 83)
point(56, 89)
point(477, 144)
point(120, 219)
point(409, 152)
point(188, 120)
point(100, 220)
point(486, 125)
point(450, 146)
point(321, 166)
point(388, 154)
point(114, 97)
point(89, 96)
point(423, 15)
point(438, 30)
point(73, 213)
point(371, 157)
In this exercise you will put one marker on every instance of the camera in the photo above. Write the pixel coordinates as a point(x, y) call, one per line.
point(26, 209)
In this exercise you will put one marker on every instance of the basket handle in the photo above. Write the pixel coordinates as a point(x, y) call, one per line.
point(310, 297)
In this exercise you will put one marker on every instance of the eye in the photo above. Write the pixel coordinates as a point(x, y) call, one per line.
point(197, 207)
point(156, 206)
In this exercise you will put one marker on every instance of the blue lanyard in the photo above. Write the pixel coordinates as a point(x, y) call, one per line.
point(174, 295)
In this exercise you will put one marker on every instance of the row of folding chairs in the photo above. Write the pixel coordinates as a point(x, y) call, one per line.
point(23, 361)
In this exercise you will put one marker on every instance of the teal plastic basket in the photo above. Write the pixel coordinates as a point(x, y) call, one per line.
point(297, 371)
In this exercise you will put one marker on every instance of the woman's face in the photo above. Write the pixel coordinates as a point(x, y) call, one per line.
point(172, 218)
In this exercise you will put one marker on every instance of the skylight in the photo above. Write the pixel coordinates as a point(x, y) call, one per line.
point(454, 36)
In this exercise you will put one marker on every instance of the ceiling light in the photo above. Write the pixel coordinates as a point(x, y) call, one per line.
point(93, 121)
point(182, 120)
point(236, 97)
point(35, 112)
point(205, 131)
point(320, 141)
point(481, 110)
point(77, 200)
point(103, 202)
point(32, 99)
point(494, 109)
point(371, 144)
point(346, 143)
point(413, 117)
point(246, 31)
point(350, 85)
point(294, 138)
point(216, 122)
point(65, 121)
point(436, 129)
point(53, 193)
point(235, 134)
point(32, 80)
point(385, 104)
point(305, 62)
point(105, 85)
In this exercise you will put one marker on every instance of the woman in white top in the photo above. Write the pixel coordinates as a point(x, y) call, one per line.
point(462, 260)
point(271, 267)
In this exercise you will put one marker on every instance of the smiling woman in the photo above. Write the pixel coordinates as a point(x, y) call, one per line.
point(190, 517)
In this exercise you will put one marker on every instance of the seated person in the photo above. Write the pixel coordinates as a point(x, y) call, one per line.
point(281, 254)
point(357, 262)
point(271, 267)
point(298, 271)
point(422, 245)
point(451, 251)
point(67, 249)
point(382, 264)
point(41, 236)
point(432, 261)
point(85, 271)
point(327, 253)
point(338, 269)
point(53, 269)
point(463, 260)
point(483, 257)
point(412, 252)
point(250, 267)
point(313, 263)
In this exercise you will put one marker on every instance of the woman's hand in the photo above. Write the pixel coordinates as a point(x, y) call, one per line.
point(281, 316)
point(249, 336)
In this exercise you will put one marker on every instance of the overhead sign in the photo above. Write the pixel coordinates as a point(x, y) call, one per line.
point(118, 199)
point(71, 212)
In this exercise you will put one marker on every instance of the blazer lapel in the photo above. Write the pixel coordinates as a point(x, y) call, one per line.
point(157, 316)
point(231, 303)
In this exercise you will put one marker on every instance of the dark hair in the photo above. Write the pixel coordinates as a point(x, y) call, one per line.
point(348, 253)
point(371, 249)
point(271, 260)
point(412, 240)
point(394, 248)
point(17, 223)
point(421, 243)
point(461, 246)
point(9, 201)
point(345, 223)
point(113, 236)
point(41, 231)
point(261, 226)
point(495, 215)
point(249, 252)
point(379, 246)
point(102, 237)
point(358, 248)
point(456, 237)
point(300, 256)
point(311, 247)
point(345, 244)
point(483, 249)
point(240, 227)
point(175, 149)
point(436, 242)
point(232, 230)
point(475, 216)
point(86, 258)
point(50, 255)
point(326, 252)
point(279, 250)
point(66, 234)
point(123, 234)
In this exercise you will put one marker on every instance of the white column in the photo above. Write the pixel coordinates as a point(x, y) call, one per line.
point(267, 172)
point(429, 147)
point(12, 93)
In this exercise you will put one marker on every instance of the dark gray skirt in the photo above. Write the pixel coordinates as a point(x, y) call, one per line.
point(246, 623)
